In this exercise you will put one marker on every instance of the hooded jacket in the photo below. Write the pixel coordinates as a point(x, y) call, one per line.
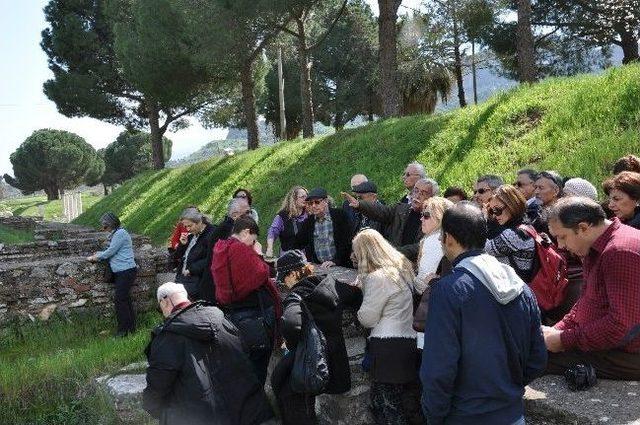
point(198, 373)
point(483, 344)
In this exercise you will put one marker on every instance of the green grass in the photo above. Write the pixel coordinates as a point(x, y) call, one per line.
point(46, 369)
point(578, 126)
point(11, 236)
point(32, 205)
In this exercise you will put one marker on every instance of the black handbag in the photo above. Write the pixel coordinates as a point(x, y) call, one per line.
point(108, 276)
point(310, 372)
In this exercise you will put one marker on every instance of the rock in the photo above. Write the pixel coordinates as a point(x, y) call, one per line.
point(46, 312)
point(146, 247)
point(39, 273)
point(38, 300)
point(67, 269)
point(79, 303)
point(126, 391)
point(164, 278)
point(549, 401)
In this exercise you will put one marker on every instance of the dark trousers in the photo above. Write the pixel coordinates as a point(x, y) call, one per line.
point(122, 299)
point(611, 364)
point(295, 408)
point(396, 404)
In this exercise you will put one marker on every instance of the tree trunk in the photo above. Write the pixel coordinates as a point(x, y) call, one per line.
point(338, 121)
point(457, 66)
point(157, 150)
point(249, 105)
point(473, 72)
point(106, 189)
point(388, 57)
point(525, 44)
point(306, 95)
point(52, 192)
point(629, 44)
point(283, 117)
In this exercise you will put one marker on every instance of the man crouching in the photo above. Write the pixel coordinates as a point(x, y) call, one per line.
point(198, 373)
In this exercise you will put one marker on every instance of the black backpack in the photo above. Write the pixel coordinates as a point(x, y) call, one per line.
point(310, 373)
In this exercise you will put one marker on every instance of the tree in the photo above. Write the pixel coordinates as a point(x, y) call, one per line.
point(388, 56)
point(603, 22)
point(140, 84)
point(53, 160)
point(525, 44)
point(130, 154)
point(306, 41)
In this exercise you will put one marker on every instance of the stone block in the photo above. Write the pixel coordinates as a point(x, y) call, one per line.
point(67, 269)
point(46, 312)
point(79, 303)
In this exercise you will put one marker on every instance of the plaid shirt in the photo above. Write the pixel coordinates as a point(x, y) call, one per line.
point(607, 315)
point(323, 242)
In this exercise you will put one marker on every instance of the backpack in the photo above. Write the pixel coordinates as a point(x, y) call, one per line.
point(549, 283)
point(310, 372)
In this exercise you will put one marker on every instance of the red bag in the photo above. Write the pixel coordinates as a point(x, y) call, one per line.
point(550, 281)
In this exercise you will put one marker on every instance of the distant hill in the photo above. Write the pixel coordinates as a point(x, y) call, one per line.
point(578, 126)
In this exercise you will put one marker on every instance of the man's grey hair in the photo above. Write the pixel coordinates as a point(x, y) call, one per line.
point(193, 215)
point(419, 169)
point(492, 180)
point(169, 289)
point(235, 204)
point(435, 188)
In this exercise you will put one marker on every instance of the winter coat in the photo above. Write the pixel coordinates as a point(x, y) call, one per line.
point(198, 373)
point(394, 217)
point(342, 237)
point(198, 262)
point(326, 298)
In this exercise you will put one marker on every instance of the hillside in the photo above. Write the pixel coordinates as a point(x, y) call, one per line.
point(578, 126)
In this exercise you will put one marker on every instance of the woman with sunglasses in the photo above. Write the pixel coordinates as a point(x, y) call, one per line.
point(513, 246)
point(430, 254)
point(287, 222)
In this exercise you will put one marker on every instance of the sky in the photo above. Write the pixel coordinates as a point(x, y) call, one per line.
point(24, 108)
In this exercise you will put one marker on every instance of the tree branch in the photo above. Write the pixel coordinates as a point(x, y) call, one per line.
point(333, 24)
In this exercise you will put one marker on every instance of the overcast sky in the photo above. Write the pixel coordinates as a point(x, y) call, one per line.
point(23, 106)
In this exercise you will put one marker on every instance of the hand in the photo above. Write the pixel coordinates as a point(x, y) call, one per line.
point(353, 202)
point(257, 247)
point(186, 273)
point(552, 339)
point(327, 264)
point(428, 278)
point(184, 238)
point(92, 258)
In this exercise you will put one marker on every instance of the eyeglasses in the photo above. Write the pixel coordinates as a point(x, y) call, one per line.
point(405, 175)
point(357, 196)
point(241, 195)
point(315, 201)
point(520, 184)
point(496, 211)
point(481, 191)
point(426, 215)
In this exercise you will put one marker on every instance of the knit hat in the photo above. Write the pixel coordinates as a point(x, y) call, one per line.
point(110, 220)
point(288, 262)
point(365, 187)
point(580, 187)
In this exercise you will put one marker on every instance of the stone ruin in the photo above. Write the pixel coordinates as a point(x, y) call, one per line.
point(52, 273)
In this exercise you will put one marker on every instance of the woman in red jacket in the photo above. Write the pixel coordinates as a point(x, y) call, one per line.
point(246, 293)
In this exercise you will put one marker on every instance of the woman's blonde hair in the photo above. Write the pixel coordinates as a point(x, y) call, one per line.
point(374, 253)
point(289, 202)
point(436, 206)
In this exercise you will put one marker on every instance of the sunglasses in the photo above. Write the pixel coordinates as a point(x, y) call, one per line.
point(520, 184)
point(425, 215)
point(315, 201)
point(481, 191)
point(496, 211)
point(241, 196)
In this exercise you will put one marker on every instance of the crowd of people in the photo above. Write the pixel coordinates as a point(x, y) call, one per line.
point(465, 299)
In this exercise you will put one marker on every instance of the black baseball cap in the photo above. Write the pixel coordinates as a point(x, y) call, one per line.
point(365, 187)
point(317, 193)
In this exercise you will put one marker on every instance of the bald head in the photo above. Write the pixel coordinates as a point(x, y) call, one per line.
point(357, 179)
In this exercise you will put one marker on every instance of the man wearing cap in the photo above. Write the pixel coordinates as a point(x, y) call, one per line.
point(325, 235)
point(402, 220)
point(198, 373)
point(368, 192)
point(352, 214)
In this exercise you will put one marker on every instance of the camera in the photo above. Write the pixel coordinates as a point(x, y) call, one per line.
point(580, 377)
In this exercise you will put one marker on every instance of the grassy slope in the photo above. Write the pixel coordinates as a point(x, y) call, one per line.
point(13, 236)
point(28, 205)
point(578, 126)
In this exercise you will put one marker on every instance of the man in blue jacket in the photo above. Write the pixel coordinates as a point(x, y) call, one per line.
point(483, 340)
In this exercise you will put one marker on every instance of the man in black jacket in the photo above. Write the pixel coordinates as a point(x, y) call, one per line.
point(325, 235)
point(198, 373)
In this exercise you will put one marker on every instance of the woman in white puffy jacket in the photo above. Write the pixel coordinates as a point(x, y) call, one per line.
point(386, 278)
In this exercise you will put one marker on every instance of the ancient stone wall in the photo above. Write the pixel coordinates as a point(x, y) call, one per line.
point(41, 277)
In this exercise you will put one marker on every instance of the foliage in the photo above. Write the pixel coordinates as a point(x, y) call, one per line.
point(578, 126)
point(47, 368)
point(130, 154)
point(53, 160)
point(11, 236)
point(53, 210)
